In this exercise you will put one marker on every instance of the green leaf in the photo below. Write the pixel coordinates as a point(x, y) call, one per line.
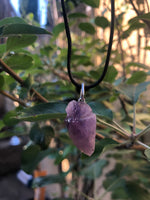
point(14, 29)
point(94, 170)
point(9, 118)
point(93, 3)
point(41, 136)
point(19, 61)
point(132, 91)
point(50, 179)
point(32, 156)
point(102, 22)
point(20, 41)
point(137, 77)
point(135, 26)
point(144, 17)
point(100, 110)
point(87, 27)
point(2, 49)
point(58, 29)
point(110, 75)
point(147, 154)
point(77, 15)
point(11, 20)
point(2, 81)
point(43, 111)
point(135, 191)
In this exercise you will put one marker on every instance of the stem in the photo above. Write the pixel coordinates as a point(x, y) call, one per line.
point(142, 132)
point(21, 102)
point(118, 130)
point(142, 144)
point(134, 121)
point(7, 69)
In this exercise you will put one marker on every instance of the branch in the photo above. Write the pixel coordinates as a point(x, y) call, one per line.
point(21, 102)
point(7, 69)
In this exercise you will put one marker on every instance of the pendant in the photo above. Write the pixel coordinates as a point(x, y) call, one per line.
point(81, 124)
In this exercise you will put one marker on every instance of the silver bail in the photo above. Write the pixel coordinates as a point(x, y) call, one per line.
point(82, 92)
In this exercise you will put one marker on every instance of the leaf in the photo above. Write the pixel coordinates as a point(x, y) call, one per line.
point(135, 26)
point(110, 75)
point(95, 170)
point(50, 179)
point(132, 91)
point(145, 16)
point(100, 110)
point(41, 136)
point(2, 49)
point(137, 77)
point(21, 41)
point(102, 22)
point(43, 111)
point(58, 29)
point(77, 15)
point(2, 81)
point(14, 29)
point(32, 156)
point(12, 20)
point(93, 3)
point(87, 27)
point(9, 118)
point(135, 191)
point(19, 61)
point(147, 154)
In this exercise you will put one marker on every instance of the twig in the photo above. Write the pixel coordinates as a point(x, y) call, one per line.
point(21, 102)
point(7, 69)
point(142, 132)
point(118, 130)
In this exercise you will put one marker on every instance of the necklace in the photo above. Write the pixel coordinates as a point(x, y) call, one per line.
point(80, 120)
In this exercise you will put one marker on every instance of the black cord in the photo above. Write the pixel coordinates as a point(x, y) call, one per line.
point(78, 86)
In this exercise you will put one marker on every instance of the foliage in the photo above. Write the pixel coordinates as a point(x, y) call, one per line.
point(38, 81)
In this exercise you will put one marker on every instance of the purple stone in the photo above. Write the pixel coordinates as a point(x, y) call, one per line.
point(81, 124)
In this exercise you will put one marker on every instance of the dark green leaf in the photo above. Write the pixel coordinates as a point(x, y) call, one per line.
point(58, 29)
point(2, 49)
point(20, 41)
point(14, 29)
point(93, 3)
point(77, 15)
point(2, 80)
point(43, 111)
point(50, 179)
point(100, 110)
point(136, 192)
point(41, 136)
point(32, 156)
point(87, 27)
point(12, 20)
point(102, 22)
point(110, 75)
point(19, 61)
point(137, 77)
point(9, 118)
point(95, 170)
